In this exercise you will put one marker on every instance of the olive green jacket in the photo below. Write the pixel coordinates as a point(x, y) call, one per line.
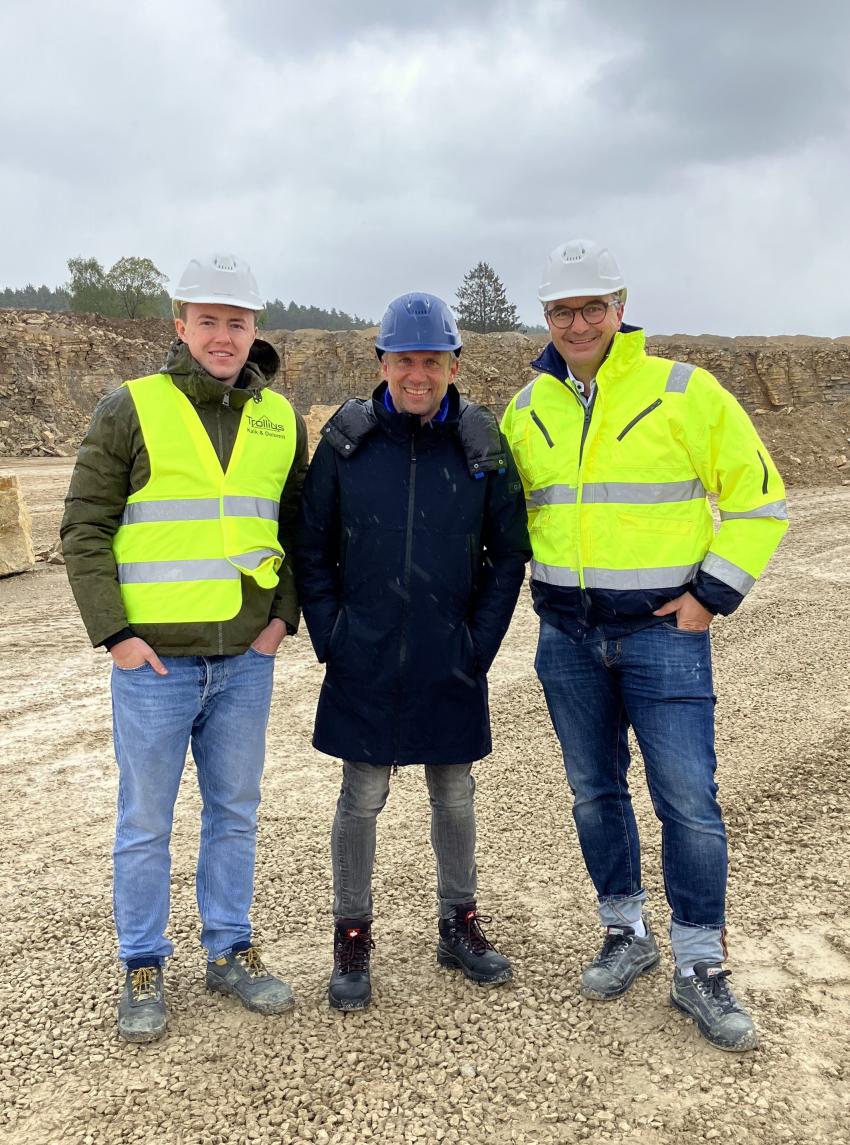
point(113, 463)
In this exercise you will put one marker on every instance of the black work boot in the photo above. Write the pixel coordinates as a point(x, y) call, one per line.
point(350, 987)
point(464, 946)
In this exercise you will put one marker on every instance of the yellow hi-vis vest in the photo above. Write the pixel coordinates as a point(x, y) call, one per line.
point(616, 496)
point(187, 537)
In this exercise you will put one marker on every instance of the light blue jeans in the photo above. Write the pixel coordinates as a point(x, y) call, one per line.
point(219, 704)
point(365, 787)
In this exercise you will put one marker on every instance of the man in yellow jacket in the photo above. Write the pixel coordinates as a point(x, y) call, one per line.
point(617, 451)
point(178, 527)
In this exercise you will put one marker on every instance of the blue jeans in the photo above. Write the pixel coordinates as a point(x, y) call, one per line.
point(657, 680)
point(219, 704)
point(365, 787)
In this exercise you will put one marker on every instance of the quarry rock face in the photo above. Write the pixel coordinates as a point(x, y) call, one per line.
point(54, 367)
point(16, 551)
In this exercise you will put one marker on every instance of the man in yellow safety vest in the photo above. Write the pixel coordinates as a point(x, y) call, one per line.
point(177, 533)
point(617, 451)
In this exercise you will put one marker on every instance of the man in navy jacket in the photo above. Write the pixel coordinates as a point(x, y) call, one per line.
point(410, 558)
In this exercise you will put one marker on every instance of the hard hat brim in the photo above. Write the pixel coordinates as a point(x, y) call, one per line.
point(575, 292)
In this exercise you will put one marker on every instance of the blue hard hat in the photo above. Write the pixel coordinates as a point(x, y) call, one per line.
point(418, 322)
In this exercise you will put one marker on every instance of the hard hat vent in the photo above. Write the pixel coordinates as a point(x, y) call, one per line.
point(224, 262)
point(418, 307)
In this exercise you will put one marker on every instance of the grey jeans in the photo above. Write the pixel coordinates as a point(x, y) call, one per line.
point(451, 790)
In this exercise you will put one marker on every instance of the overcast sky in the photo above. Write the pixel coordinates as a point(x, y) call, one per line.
point(354, 151)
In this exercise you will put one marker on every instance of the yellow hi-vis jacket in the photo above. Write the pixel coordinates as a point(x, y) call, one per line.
point(187, 537)
point(616, 494)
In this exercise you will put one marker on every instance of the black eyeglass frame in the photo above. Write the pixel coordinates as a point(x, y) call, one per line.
point(582, 310)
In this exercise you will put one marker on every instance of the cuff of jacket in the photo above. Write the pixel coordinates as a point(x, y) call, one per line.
point(714, 595)
point(116, 638)
point(288, 612)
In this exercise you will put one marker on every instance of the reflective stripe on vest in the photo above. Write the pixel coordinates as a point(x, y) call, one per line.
point(190, 534)
point(200, 509)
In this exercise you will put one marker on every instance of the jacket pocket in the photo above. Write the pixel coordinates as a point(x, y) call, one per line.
point(542, 429)
point(638, 417)
point(334, 638)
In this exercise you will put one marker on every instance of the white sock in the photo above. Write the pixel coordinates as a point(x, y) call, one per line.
point(639, 928)
point(687, 971)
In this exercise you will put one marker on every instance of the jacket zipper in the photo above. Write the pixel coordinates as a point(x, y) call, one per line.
point(764, 467)
point(408, 564)
point(588, 414)
point(638, 417)
point(542, 429)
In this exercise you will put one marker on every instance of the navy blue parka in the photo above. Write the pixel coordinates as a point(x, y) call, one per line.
point(410, 557)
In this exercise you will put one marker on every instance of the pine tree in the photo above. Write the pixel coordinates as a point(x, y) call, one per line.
point(482, 304)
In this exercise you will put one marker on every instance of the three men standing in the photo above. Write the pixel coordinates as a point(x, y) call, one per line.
point(617, 451)
point(177, 534)
point(410, 557)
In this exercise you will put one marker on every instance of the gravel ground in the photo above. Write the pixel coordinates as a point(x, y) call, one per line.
point(435, 1059)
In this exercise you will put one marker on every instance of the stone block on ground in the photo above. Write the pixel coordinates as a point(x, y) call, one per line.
point(16, 551)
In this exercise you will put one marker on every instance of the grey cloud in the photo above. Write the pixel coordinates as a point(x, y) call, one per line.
point(693, 138)
point(277, 30)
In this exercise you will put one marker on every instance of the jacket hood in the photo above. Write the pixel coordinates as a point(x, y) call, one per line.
point(551, 361)
point(194, 381)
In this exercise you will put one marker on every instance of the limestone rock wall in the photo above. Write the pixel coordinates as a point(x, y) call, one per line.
point(54, 368)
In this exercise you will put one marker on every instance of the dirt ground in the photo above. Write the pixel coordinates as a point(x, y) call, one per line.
point(435, 1059)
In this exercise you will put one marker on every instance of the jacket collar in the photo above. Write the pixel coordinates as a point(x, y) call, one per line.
point(474, 425)
point(193, 380)
point(627, 347)
point(405, 425)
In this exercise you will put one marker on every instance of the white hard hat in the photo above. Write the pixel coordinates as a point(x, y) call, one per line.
point(580, 268)
point(222, 279)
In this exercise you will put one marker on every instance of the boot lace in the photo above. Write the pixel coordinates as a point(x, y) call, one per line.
point(143, 983)
point(717, 989)
point(476, 939)
point(353, 947)
point(612, 947)
point(252, 962)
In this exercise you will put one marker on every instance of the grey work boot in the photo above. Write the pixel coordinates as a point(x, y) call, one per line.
point(141, 1011)
point(621, 958)
point(243, 975)
point(707, 998)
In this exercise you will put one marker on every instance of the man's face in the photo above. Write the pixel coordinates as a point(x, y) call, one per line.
point(583, 345)
point(418, 379)
point(218, 337)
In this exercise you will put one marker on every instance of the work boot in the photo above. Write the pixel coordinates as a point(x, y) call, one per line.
point(350, 987)
point(707, 998)
point(464, 946)
point(241, 973)
point(141, 1011)
point(621, 958)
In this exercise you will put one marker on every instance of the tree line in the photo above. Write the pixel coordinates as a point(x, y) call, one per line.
point(135, 288)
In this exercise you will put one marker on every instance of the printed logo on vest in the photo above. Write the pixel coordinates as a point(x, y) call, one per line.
point(265, 427)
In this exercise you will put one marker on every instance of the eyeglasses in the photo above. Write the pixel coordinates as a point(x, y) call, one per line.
point(592, 312)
